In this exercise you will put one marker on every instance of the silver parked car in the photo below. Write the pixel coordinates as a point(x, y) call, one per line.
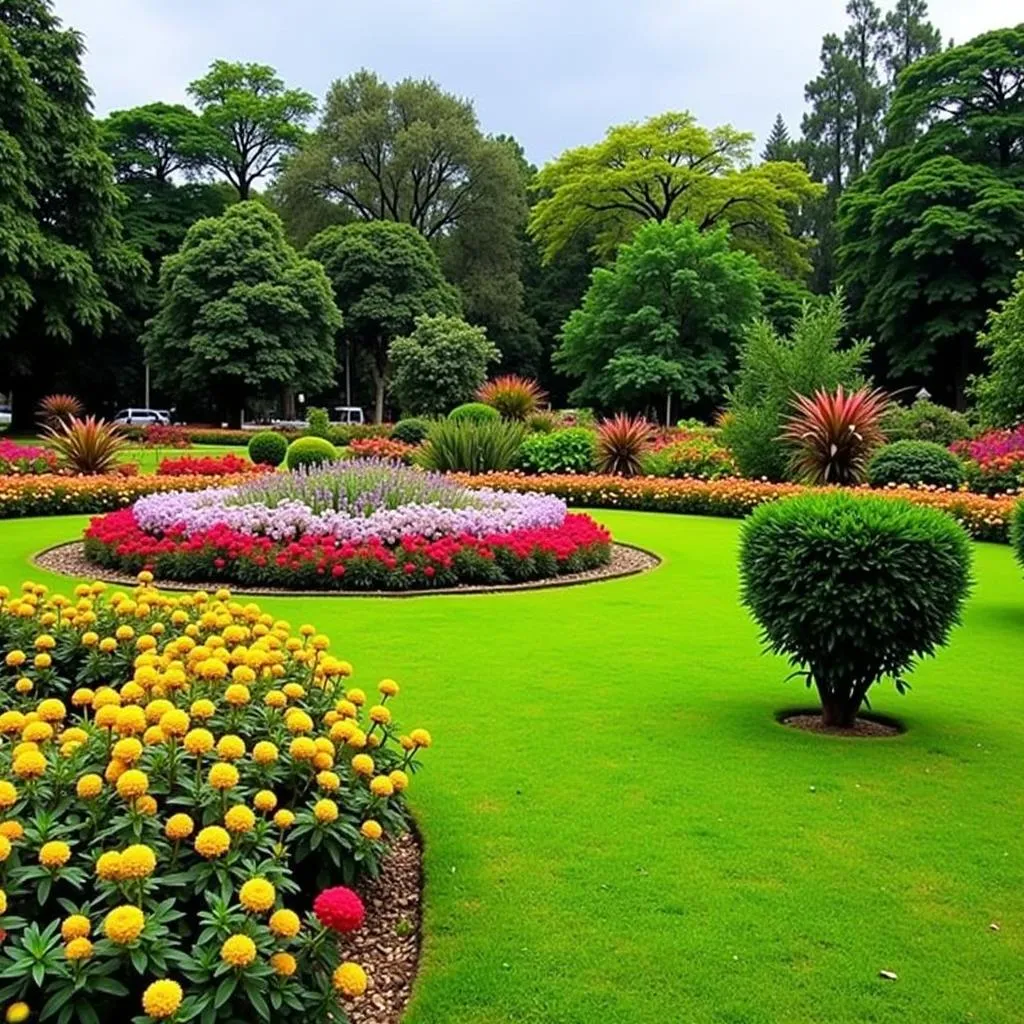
point(142, 417)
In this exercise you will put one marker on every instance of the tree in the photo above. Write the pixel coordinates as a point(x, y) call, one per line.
point(929, 234)
point(909, 36)
point(440, 365)
point(255, 119)
point(62, 255)
point(663, 320)
point(779, 147)
point(863, 44)
point(241, 313)
point(669, 168)
point(384, 276)
point(1000, 392)
point(157, 141)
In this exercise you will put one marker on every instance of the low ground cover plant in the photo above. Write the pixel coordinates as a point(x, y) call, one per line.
point(699, 456)
point(915, 463)
point(188, 789)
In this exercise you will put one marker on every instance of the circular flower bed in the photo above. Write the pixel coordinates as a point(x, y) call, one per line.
point(358, 525)
point(187, 788)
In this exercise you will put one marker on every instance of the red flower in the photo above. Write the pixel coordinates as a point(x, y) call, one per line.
point(339, 909)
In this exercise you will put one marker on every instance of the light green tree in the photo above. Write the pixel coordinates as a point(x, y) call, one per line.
point(1000, 392)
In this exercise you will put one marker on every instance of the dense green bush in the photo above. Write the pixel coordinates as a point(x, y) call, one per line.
point(915, 462)
point(699, 457)
point(562, 451)
point(1017, 532)
point(411, 430)
point(463, 445)
point(925, 421)
point(268, 448)
point(310, 451)
point(853, 589)
point(476, 412)
point(318, 423)
point(542, 422)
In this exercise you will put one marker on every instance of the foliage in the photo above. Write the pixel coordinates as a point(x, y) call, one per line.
point(999, 393)
point(318, 422)
point(164, 435)
point(472, 445)
point(87, 445)
point(994, 461)
point(852, 590)
point(513, 396)
point(25, 459)
point(309, 451)
point(572, 450)
point(268, 448)
point(1017, 532)
point(241, 313)
point(210, 892)
point(915, 463)
point(411, 430)
point(669, 168)
point(621, 444)
point(664, 319)
point(156, 142)
point(925, 421)
point(700, 457)
point(542, 422)
point(476, 412)
point(440, 364)
point(53, 410)
point(210, 465)
point(773, 368)
point(384, 276)
point(832, 435)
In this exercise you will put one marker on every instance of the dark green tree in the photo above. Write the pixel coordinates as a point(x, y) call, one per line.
point(242, 315)
point(779, 145)
point(863, 45)
point(157, 141)
point(384, 276)
point(909, 36)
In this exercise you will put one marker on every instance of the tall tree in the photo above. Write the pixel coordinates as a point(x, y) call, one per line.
point(62, 255)
point(909, 36)
point(828, 125)
point(242, 314)
point(384, 276)
point(670, 168)
point(779, 146)
point(1000, 391)
point(256, 120)
point(157, 141)
point(863, 45)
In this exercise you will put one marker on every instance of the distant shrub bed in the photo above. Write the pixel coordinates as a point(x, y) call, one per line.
point(913, 463)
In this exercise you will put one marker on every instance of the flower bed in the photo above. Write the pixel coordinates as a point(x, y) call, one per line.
point(22, 459)
point(187, 787)
point(994, 461)
point(382, 448)
point(209, 465)
point(354, 525)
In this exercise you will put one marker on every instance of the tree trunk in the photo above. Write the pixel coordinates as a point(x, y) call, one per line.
point(378, 401)
point(288, 403)
point(838, 714)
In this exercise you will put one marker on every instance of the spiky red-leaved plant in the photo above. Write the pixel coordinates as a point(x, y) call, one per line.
point(513, 396)
point(88, 445)
point(56, 409)
point(621, 441)
point(833, 434)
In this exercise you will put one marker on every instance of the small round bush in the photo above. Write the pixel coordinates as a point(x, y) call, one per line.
point(915, 462)
point(852, 589)
point(561, 451)
point(475, 412)
point(410, 431)
point(1017, 532)
point(268, 448)
point(318, 423)
point(310, 451)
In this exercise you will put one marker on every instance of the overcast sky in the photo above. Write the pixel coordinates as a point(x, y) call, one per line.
point(554, 73)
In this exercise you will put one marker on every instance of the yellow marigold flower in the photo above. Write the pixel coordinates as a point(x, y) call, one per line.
point(52, 710)
point(145, 577)
point(82, 697)
point(239, 819)
point(154, 736)
point(45, 642)
point(106, 696)
point(357, 739)
point(74, 735)
point(108, 866)
point(178, 827)
point(132, 784)
point(162, 999)
point(17, 1013)
point(89, 787)
point(198, 741)
point(302, 748)
point(127, 750)
point(380, 785)
point(283, 964)
point(124, 632)
point(371, 829)
point(12, 830)
point(238, 950)
point(231, 748)
point(15, 659)
point(106, 716)
point(130, 721)
point(322, 762)
point(23, 686)
point(284, 818)
point(203, 709)
point(37, 732)
point(174, 723)
point(356, 696)
point(320, 642)
point(11, 722)
point(325, 811)
point(257, 895)
point(223, 776)
point(264, 752)
point(420, 738)
point(138, 861)
point(388, 687)
point(297, 721)
point(275, 699)
point(285, 924)
point(237, 695)
point(76, 926)
point(342, 730)
point(362, 764)
point(29, 765)
point(78, 949)
point(399, 780)
point(294, 691)
point(331, 717)
point(380, 714)
point(3, 902)
point(54, 854)
point(264, 801)
point(243, 675)
point(146, 805)
point(124, 925)
point(5, 848)
point(328, 781)
point(90, 638)
point(306, 629)
point(212, 841)
point(349, 979)
point(115, 769)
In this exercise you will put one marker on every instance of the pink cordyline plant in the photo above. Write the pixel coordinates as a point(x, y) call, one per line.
point(834, 434)
point(621, 441)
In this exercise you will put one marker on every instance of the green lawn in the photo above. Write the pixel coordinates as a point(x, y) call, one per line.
point(618, 831)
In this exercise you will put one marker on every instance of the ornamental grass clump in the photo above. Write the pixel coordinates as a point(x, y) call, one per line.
point(188, 788)
point(621, 444)
point(468, 445)
point(853, 590)
point(513, 396)
point(89, 446)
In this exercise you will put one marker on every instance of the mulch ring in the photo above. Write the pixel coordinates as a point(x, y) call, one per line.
point(69, 560)
point(874, 727)
point(388, 944)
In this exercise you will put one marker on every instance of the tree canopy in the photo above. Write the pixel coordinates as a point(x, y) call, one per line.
point(1000, 392)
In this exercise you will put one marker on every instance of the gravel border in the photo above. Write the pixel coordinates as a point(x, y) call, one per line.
point(864, 727)
point(69, 560)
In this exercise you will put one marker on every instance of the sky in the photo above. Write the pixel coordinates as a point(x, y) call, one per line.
point(553, 73)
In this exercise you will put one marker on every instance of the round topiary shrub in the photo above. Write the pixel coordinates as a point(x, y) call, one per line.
point(310, 451)
point(475, 412)
point(268, 448)
point(410, 431)
point(853, 589)
point(562, 451)
point(915, 462)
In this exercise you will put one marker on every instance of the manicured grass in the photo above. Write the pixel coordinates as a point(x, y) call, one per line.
point(618, 832)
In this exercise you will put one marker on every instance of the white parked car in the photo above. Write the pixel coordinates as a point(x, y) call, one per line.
point(347, 414)
point(142, 417)
point(5, 415)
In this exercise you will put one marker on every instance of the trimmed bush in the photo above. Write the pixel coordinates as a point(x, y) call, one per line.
point(462, 445)
point(1017, 532)
point(310, 451)
point(853, 589)
point(915, 462)
point(562, 451)
point(699, 457)
point(411, 431)
point(268, 448)
point(318, 423)
point(475, 412)
point(925, 421)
